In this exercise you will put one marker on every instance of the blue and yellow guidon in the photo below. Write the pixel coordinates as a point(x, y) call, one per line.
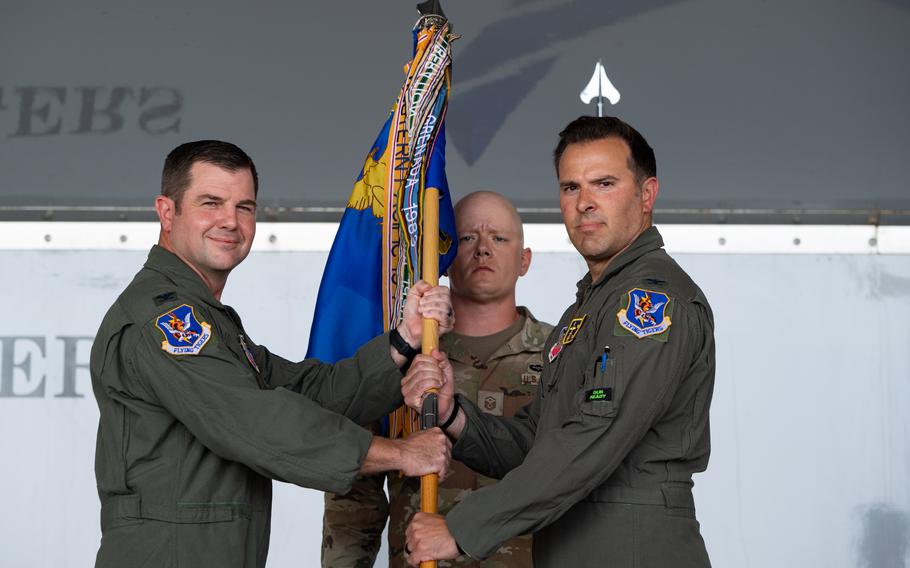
point(644, 313)
point(183, 333)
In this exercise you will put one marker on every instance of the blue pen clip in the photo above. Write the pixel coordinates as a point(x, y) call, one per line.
point(603, 359)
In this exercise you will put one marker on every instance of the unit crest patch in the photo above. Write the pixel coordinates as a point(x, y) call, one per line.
point(183, 333)
point(645, 313)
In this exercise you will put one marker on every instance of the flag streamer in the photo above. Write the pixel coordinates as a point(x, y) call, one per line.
point(377, 253)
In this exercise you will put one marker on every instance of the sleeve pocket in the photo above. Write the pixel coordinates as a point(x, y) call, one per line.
point(601, 393)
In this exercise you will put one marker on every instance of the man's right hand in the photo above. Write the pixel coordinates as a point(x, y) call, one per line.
point(419, 454)
point(430, 372)
point(424, 452)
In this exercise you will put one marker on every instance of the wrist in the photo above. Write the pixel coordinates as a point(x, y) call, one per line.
point(402, 345)
point(405, 334)
point(453, 414)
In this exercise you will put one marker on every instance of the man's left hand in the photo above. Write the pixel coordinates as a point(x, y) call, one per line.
point(428, 538)
point(425, 301)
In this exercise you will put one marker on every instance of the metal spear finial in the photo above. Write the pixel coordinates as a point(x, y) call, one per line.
point(599, 87)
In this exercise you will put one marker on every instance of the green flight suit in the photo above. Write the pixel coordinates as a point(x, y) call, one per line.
point(501, 385)
point(188, 443)
point(599, 466)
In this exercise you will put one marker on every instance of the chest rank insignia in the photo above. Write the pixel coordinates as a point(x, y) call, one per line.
point(557, 347)
point(645, 314)
point(183, 333)
point(573, 329)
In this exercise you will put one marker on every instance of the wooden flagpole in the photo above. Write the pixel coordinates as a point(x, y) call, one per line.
point(429, 484)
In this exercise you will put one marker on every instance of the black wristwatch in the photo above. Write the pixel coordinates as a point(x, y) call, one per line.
point(402, 346)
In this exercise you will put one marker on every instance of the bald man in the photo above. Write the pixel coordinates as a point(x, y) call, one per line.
point(496, 351)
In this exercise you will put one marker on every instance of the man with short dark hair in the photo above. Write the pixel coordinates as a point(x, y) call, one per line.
point(599, 466)
point(496, 351)
point(196, 419)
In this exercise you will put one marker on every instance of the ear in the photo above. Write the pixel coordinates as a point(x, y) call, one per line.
point(649, 190)
point(166, 209)
point(525, 261)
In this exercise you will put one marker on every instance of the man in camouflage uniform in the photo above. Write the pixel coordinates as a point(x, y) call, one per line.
point(496, 351)
point(599, 466)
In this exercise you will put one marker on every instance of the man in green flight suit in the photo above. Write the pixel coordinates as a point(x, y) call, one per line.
point(496, 351)
point(196, 419)
point(599, 466)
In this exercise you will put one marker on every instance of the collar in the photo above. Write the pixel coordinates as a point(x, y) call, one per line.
point(523, 341)
point(174, 269)
point(648, 241)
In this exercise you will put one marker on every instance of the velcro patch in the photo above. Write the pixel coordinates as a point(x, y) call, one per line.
point(644, 313)
point(557, 347)
point(595, 395)
point(572, 329)
point(166, 297)
point(183, 333)
point(490, 402)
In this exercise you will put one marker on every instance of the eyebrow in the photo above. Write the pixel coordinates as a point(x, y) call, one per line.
point(209, 197)
point(608, 177)
point(217, 199)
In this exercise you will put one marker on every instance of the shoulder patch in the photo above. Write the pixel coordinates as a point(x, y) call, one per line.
point(644, 313)
point(183, 333)
point(166, 297)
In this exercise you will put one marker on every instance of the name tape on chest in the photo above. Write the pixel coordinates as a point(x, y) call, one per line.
point(644, 313)
point(183, 333)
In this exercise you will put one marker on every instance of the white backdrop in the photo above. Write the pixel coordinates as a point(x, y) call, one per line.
point(811, 440)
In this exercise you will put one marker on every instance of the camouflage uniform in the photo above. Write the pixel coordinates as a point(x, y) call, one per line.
point(507, 381)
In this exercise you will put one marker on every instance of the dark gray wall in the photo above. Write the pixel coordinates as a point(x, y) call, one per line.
point(764, 106)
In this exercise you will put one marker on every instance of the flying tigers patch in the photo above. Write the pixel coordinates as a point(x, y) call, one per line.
point(183, 333)
point(644, 313)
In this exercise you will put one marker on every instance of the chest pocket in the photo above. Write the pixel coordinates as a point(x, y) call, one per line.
point(601, 392)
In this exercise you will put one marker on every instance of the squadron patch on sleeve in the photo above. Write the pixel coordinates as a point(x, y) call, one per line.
point(183, 333)
point(644, 313)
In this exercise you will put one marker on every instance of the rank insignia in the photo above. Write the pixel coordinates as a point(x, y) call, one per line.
point(573, 329)
point(645, 313)
point(183, 333)
point(491, 402)
point(557, 347)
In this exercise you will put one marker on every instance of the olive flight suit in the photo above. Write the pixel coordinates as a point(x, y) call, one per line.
point(599, 466)
point(500, 385)
point(196, 420)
